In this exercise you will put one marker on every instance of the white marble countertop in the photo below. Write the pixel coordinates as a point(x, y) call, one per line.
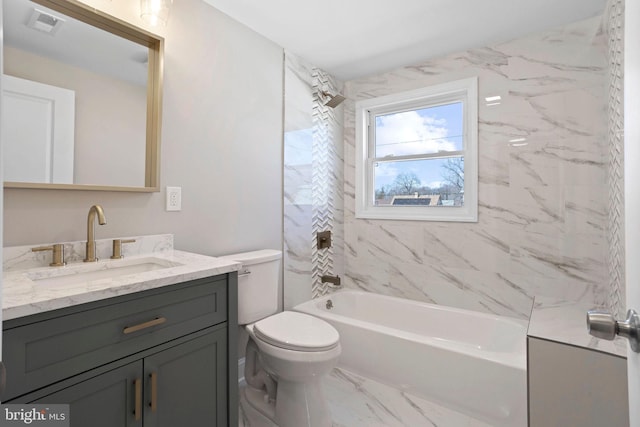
point(22, 295)
point(565, 322)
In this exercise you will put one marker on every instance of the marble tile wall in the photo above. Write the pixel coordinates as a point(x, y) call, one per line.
point(313, 179)
point(542, 206)
point(613, 24)
point(327, 180)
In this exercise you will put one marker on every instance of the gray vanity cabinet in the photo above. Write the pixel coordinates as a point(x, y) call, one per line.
point(106, 400)
point(179, 392)
point(159, 358)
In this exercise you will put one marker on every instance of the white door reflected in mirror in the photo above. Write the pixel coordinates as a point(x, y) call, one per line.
point(37, 131)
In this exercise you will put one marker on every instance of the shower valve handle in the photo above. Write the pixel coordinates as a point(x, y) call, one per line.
point(602, 325)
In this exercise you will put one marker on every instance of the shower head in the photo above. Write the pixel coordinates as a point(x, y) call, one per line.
point(334, 100)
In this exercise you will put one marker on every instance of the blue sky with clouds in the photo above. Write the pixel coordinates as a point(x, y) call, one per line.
point(429, 130)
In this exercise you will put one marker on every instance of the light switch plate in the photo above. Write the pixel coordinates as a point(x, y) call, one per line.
point(174, 198)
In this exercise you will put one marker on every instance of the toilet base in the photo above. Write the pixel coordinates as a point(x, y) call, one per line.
point(297, 405)
point(254, 417)
point(302, 404)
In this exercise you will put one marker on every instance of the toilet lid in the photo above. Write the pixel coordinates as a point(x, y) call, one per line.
point(297, 331)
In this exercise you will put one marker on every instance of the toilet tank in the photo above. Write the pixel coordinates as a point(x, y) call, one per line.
point(258, 281)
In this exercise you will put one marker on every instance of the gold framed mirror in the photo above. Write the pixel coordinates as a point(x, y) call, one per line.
point(99, 125)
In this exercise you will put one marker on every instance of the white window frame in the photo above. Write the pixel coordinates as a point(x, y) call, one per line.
point(465, 91)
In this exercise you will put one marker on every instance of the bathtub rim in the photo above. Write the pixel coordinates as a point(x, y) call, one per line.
point(515, 360)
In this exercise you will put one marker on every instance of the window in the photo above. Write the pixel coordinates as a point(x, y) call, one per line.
point(417, 154)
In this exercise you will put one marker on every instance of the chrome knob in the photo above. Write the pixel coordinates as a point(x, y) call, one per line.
point(602, 325)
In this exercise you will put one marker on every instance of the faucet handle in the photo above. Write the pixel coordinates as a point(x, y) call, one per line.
point(58, 253)
point(117, 247)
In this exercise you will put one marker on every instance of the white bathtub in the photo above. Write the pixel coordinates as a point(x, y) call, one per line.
point(471, 362)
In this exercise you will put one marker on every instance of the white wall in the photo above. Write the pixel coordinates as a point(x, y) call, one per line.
point(221, 142)
point(631, 177)
point(1, 189)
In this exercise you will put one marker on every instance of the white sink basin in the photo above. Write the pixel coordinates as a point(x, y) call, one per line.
point(108, 269)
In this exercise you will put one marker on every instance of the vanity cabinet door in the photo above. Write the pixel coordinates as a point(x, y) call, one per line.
point(186, 385)
point(106, 400)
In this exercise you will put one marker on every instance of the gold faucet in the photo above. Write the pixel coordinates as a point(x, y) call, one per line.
point(91, 231)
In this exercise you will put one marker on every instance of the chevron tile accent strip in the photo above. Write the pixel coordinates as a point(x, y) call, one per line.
point(614, 27)
point(323, 185)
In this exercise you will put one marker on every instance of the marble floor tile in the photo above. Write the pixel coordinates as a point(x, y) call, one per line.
point(356, 401)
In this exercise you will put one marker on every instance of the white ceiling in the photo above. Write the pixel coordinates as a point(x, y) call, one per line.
point(353, 38)
point(75, 43)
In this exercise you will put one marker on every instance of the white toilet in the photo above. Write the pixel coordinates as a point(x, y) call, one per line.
point(288, 353)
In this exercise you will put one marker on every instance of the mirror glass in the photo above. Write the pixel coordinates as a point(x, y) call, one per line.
point(81, 99)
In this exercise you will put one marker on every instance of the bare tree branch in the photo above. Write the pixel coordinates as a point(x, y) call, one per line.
point(406, 183)
point(453, 173)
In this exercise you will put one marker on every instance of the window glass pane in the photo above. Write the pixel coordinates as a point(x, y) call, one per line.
point(429, 182)
point(421, 131)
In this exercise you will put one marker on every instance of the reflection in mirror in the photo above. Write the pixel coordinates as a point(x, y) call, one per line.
point(81, 99)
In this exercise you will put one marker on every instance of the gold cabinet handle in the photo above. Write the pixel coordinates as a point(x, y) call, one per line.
point(137, 412)
point(145, 325)
point(154, 391)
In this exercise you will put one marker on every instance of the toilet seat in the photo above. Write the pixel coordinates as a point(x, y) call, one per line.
point(297, 331)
